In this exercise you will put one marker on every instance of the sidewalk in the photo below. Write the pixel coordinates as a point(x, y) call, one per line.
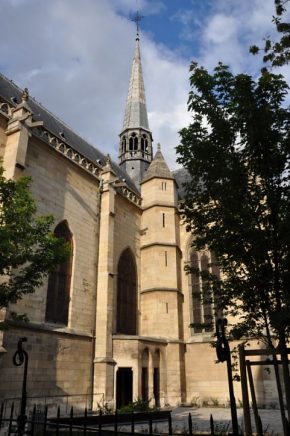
point(271, 419)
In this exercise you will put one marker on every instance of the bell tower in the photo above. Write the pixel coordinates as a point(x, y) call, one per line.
point(135, 150)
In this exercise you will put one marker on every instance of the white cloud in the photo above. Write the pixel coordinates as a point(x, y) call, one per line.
point(75, 57)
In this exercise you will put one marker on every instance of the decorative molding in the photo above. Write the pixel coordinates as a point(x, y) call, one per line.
point(70, 153)
point(67, 151)
point(6, 109)
point(130, 195)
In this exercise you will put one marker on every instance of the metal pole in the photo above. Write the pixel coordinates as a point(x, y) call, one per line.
point(224, 355)
point(20, 356)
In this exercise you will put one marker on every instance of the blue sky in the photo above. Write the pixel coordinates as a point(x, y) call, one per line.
point(75, 57)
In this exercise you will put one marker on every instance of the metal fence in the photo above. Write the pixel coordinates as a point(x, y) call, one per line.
point(38, 423)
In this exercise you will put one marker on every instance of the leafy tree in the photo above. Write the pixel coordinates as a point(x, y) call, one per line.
point(277, 52)
point(237, 152)
point(28, 249)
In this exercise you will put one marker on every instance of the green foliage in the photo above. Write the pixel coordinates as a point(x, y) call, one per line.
point(28, 249)
point(137, 406)
point(237, 152)
point(277, 52)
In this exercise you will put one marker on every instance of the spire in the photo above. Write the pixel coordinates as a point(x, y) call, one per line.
point(135, 150)
point(136, 112)
point(158, 167)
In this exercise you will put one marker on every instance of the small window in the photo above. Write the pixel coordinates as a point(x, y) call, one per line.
point(165, 258)
point(163, 186)
point(163, 219)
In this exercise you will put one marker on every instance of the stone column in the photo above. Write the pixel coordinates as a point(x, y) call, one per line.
point(103, 362)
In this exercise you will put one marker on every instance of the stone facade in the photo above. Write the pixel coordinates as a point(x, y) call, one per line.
point(92, 360)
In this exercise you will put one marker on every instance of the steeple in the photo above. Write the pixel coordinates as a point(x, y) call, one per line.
point(135, 151)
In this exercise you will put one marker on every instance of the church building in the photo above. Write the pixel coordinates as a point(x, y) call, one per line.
point(113, 323)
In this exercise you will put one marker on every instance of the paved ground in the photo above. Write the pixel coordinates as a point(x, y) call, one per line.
point(271, 419)
point(200, 419)
point(222, 420)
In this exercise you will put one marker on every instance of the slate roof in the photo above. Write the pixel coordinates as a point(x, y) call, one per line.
point(11, 93)
point(136, 111)
point(157, 168)
point(181, 176)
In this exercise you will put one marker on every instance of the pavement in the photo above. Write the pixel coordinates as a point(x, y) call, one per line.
point(271, 421)
point(270, 418)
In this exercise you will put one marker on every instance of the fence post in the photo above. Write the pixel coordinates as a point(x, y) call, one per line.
point(169, 424)
point(189, 424)
point(1, 414)
point(57, 421)
point(211, 422)
point(116, 423)
point(85, 421)
point(45, 421)
point(132, 423)
point(10, 419)
point(100, 422)
point(33, 420)
point(150, 425)
point(71, 420)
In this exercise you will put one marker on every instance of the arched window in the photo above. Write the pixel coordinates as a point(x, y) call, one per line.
point(136, 143)
point(131, 143)
point(58, 291)
point(127, 294)
point(202, 296)
point(124, 144)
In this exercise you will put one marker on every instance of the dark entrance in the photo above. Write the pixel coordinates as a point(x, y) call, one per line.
point(156, 386)
point(144, 384)
point(124, 387)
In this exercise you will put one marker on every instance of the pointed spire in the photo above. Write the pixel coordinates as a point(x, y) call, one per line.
point(158, 167)
point(136, 111)
point(135, 149)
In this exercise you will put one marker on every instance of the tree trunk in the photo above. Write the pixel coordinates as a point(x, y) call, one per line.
point(285, 367)
point(278, 380)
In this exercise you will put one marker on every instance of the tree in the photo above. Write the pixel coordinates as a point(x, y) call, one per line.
point(277, 52)
point(28, 249)
point(237, 152)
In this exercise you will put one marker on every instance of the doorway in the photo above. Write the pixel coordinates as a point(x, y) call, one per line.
point(156, 386)
point(144, 384)
point(124, 386)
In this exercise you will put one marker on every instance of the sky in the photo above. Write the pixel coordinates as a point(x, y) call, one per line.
point(75, 57)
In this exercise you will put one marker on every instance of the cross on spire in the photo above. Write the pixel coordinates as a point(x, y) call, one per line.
point(137, 18)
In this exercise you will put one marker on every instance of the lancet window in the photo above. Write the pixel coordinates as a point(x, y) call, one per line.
point(202, 316)
point(59, 283)
point(127, 294)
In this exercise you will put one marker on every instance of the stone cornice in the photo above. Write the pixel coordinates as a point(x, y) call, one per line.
point(49, 328)
point(62, 147)
point(160, 204)
point(162, 244)
point(160, 289)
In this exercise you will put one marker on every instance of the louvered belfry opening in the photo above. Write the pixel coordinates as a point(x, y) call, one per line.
point(127, 294)
point(58, 291)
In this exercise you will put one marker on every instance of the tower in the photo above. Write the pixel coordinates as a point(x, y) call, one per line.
point(135, 150)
